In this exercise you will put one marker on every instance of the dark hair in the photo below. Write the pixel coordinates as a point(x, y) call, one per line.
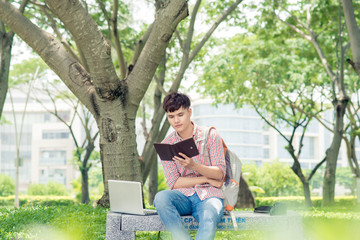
point(173, 101)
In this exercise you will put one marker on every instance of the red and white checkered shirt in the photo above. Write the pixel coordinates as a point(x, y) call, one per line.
point(174, 170)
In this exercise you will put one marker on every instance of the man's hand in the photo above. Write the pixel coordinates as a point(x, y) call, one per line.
point(215, 183)
point(185, 161)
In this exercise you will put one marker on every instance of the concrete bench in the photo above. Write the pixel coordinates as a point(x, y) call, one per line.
point(289, 226)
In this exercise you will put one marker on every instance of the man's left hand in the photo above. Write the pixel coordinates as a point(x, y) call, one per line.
point(185, 161)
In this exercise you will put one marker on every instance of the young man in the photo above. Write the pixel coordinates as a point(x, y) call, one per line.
point(194, 183)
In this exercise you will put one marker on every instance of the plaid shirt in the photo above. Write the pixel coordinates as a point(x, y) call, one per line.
point(174, 170)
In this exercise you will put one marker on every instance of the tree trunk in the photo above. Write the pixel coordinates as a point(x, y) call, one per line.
point(296, 168)
point(5, 58)
point(118, 151)
point(305, 181)
point(153, 181)
point(307, 194)
point(332, 154)
point(85, 186)
point(85, 196)
point(245, 198)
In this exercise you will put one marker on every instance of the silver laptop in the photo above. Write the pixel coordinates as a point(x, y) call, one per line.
point(126, 197)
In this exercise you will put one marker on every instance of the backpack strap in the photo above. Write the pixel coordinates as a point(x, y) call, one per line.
point(204, 137)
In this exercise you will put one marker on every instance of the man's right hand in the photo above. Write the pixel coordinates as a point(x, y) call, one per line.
point(215, 183)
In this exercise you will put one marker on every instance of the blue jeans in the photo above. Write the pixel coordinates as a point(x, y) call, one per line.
point(171, 204)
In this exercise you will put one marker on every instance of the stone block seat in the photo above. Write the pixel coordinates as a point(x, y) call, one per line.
point(287, 226)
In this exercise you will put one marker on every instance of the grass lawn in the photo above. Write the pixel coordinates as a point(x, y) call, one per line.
point(82, 222)
point(75, 222)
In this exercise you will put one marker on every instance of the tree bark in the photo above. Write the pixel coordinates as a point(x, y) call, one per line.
point(6, 40)
point(354, 34)
point(85, 196)
point(85, 186)
point(332, 154)
point(153, 182)
point(307, 194)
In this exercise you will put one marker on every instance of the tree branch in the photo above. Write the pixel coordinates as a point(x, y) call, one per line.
point(95, 47)
point(354, 33)
point(119, 52)
point(316, 168)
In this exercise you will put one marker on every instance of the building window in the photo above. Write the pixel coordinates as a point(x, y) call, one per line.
point(56, 175)
point(55, 135)
point(47, 117)
point(307, 151)
point(53, 158)
point(266, 139)
point(281, 148)
point(266, 153)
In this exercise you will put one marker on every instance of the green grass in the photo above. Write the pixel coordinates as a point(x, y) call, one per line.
point(76, 222)
point(82, 222)
point(332, 223)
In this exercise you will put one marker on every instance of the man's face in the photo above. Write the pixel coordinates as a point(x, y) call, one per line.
point(180, 119)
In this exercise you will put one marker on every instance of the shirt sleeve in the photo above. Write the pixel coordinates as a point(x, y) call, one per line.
point(171, 173)
point(216, 151)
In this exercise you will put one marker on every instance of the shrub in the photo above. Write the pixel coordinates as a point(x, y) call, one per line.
point(52, 188)
point(26, 201)
point(298, 202)
point(275, 178)
point(7, 185)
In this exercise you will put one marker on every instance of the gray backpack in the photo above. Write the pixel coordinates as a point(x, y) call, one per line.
point(233, 170)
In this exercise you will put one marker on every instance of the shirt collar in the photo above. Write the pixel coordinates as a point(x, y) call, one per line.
point(195, 132)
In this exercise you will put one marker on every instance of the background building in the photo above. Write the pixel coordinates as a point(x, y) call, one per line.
point(46, 148)
point(255, 142)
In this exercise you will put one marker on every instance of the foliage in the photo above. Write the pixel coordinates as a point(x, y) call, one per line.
point(76, 222)
point(266, 73)
point(96, 185)
point(76, 185)
point(22, 72)
point(298, 202)
point(38, 201)
point(51, 188)
point(3, 120)
point(7, 185)
point(161, 186)
point(275, 178)
point(343, 177)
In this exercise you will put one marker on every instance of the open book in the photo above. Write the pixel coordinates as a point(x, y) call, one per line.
point(168, 151)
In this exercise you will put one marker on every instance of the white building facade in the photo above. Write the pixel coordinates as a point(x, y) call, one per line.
point(46, 149)
point(254, 141)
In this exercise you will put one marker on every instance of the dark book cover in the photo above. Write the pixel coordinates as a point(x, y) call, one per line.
point(167, 151)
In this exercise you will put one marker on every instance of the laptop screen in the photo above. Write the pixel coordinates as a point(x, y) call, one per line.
point(125, 197)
